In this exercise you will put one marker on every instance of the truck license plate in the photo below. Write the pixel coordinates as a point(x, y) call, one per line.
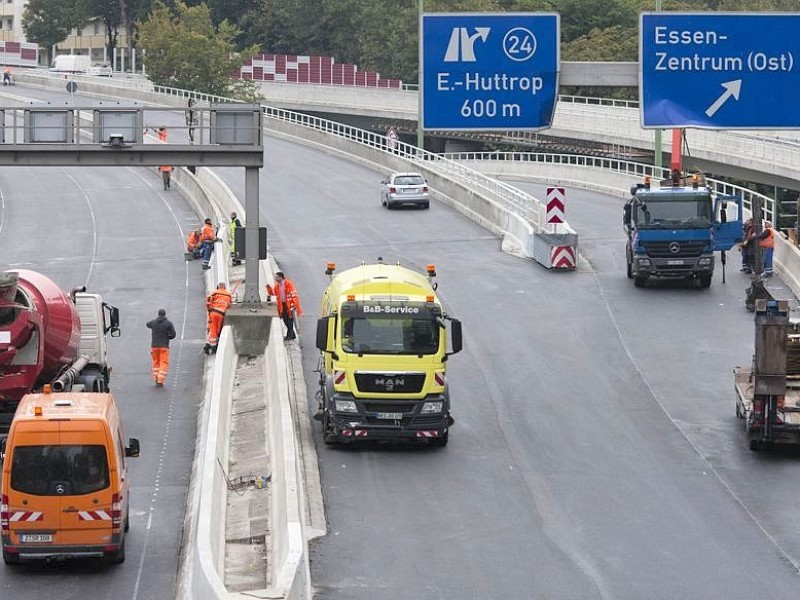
point(35, 538)
point(674, 262)
point(390, 416)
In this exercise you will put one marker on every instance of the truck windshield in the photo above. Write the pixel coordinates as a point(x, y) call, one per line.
point(666, 210)
point(59, 470)
point(389, 335)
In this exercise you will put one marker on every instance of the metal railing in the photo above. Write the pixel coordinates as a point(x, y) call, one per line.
point(507, 196)
point(623, 167)
point(624, 115)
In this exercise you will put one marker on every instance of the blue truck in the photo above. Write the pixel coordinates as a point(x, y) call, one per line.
point(674, 229)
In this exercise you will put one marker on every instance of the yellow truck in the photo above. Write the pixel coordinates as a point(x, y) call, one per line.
point(384, 348)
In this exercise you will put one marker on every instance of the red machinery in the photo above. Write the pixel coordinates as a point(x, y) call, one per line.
point(39, 334)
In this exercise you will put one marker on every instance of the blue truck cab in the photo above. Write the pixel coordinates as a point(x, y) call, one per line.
point(674, 229)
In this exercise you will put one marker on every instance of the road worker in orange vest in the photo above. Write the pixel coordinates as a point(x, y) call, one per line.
point(208, 235)
point(288, 302)
point(194, 244)
point(217, 304)
point(162, 134)
point(162, 332)
point(767, 243)
point(166, 175)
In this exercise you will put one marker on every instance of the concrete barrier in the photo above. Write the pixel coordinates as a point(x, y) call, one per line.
point(291, 578)
point(206, 557)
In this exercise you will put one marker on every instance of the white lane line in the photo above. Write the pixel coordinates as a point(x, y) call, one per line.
point(94, 225)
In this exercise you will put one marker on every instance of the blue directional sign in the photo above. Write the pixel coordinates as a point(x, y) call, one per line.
point(720, 70)
point(488, 71)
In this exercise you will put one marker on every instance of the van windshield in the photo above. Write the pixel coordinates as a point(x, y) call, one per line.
point(59, 470)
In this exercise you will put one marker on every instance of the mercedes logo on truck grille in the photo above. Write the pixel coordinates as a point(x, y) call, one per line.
point(674, 247)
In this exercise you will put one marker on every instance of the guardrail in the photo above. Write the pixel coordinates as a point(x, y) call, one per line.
point(632, 168)
point(506, 196)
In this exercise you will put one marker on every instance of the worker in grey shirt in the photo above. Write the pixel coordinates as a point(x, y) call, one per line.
point(162, 332)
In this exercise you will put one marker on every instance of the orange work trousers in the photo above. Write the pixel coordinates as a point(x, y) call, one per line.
point(160, 358)
point(215, 320)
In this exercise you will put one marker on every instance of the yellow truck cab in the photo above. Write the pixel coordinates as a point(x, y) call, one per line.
point(383, 343)
point(65, 487)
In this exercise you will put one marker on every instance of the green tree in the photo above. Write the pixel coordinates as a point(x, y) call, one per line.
point(49, 22)
point(185, 50)
point(110, 13)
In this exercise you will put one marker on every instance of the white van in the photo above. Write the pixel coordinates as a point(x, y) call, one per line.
point(71, 63)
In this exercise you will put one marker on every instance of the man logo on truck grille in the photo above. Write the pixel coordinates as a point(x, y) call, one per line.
point(674, 247)
point(389, 382)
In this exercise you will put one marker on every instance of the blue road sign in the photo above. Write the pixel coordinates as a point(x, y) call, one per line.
point(488, 71)
point(720, 70)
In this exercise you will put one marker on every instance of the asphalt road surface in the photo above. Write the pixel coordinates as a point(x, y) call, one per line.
point(117, 232)
point(595, 452)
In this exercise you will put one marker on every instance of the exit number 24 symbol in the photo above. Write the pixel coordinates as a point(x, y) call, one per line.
point(519, 44)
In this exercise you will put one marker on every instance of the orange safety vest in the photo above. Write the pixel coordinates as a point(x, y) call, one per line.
point(193, 240)
point(208, 234)
point(165, 169)
point(292, 298)
point(162, 135)
point(219, 300)
point(769, 241)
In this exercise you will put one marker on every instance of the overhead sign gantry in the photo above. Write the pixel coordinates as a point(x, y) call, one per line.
point(487, 71)
point(719, 70)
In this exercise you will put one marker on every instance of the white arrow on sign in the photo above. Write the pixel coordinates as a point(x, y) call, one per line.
point(732, 88)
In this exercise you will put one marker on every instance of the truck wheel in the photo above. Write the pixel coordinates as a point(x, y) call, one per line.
point(629, 270)
point(705, 281)
point(639, 281)
point(439, 442)
point(328, 437)
point(739, 414)
point(755, 445)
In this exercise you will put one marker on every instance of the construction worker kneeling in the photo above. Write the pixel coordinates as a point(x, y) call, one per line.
point(217, 305)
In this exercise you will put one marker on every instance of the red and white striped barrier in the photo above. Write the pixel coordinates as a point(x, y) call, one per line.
point(322, 70)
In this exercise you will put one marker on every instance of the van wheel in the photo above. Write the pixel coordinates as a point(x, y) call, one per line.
point(9, 558)
point(127, 519)
point(118, 556)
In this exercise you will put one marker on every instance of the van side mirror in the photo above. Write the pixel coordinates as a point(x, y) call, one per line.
point(3, 449)
point(133, 448)
point(626, 214)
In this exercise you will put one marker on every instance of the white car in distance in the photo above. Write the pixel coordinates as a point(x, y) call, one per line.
point(405, 188)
